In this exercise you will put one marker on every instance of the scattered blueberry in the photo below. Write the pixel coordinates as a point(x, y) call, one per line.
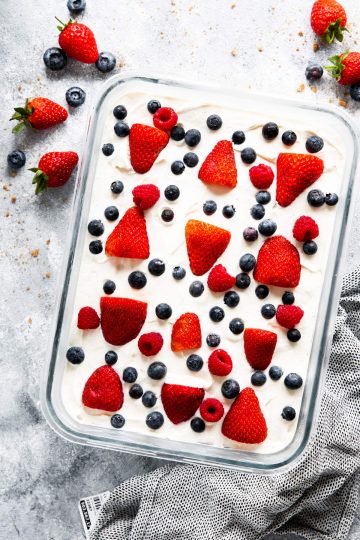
point(179, 273)
point(248, 155)
point(109, 287)
point(196, 289)
point(191, 159)
point(257, 211)
point(130, 374)
point(268, 311)
point(177, 133)
point(293, 335)
point(355, 91)
point(192, 137)
point(247, 262)
point(289, 138)
point(172, 193)
point(310, 247)
point(267, 227)
point(177, 167)
point(75, 355)
point(293, 381)
point(231, 299)
point(250, 234)
point(117, 421)
point(167, 215)
point(106, 62)
point(120, 112)
point(314, 72)
point(288, 413)
point(270, 131)
point(197, 424)
point(263, 197)
point(275, 373)
point(111, 213)
point(163, 311)
point(258, 378)
point(156, 267)
point(214, 122)
point(314, 144)
point(121, 129)
point(288, 298)
point(96, 247)
point(238, 137)
point(316, 198)
point(236, 326)
point(108, 149)
point(76, 7)
point(216, 314)
point(194, 362)
point(117, 187)
point(154, 420)
point(16, 159)
point(153, 106)
point(331, 199)
point(137, 279)
point(149, 399)
point(136, 391)
point(55, 58)
point(157, 371)
point(243, 280)
point(111, 358)
point(75, 96)
point(262, 291)
point(209, 208)
point(230, 389)
point(228, 211)
point(213, 340)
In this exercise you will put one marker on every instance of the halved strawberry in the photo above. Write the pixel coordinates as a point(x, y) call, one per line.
point(289, 316)
point(219, 280)
point(278, 263)
point(180, 402)
point(88, 319)
point(219, 167)
point(103, 390)
point(121, 319)
point(205, 243)
point(245, 422)
point(186, 333)
point(129, 238)
point(259, 346)
point(146, 143)
point(145, 196)
point(295, 173)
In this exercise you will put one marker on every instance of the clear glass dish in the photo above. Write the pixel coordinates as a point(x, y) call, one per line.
point(51, 399)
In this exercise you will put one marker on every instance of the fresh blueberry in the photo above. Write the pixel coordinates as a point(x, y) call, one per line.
point(238, 137)
point(310, 247)
point(331, 199)
point(248, 155)
point(288, 298)
point(136, 391)
point(263, 197)
point(289, 138)
point(231, 299)
point(55, 58)
point(258, 378)
point(95, 227)
point(214, 122)
point(75, 355)
point(194, 362)
point(111, 358)
point(192, 137)
point(167, 215)
point(149, 399)
point(275, 373)
point(153, 106)
point(293, 335)
point(96, 247)
point(109, 287)
point(288, 413)
point(177, 133)
point(293, 381)
point(130, 375)
point(250, 234)
point(243, 280)
point(111, 213)
point(137, 279)
point(117, 187)
point(108, 149)
point(262, 291)
point(247, 262)
point(314, 72)
point(121, 129)
point(268, 311)
point(117, 421)
point(228, 211)
point(191, 159)
point(76, 7)
point(267, 227)
point(16, 159)
point(179, 273)
point(236, 326)
point(230, 389)
point(209, 208)
point(316, 198)
point(216, 314)
point(156, 267)
point(163, 311)
point(106, 62)
point(197, 424)
point(257, 211)
point(177, 167)
point(172, 193)
point(75, 96)
point(120, 112)
point(154, 420)
point(314, 144)
point(196, 289)
point(355, 91)
point(213, 340)
point(270, 131)
point(157, 371)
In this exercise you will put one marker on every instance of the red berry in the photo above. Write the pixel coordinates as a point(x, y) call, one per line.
point(328, 19)
point(186, 333)
point(121, 319)
point(259, 347)
point(78, 41)
point(205, 243)
point(219, 280)
point(305, 228)
point(245, 422)
point(145, 196)
point(180, 402)
point(289, 316)
point(261, 176)
point(88, 319)
point(219, 167)
point(295, 173)
point(165, 118)
point(150, 344)
point(129, 238)
point(146, 143)
point(54, 170)
point(211, 410)
point(220, 363)
point(103, 390)
point(278, 263)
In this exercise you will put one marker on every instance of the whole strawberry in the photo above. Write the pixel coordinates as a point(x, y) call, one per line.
point(54, 170)
point(38, 113)
point(328, 19)
point(78, 41)
point(345, 68)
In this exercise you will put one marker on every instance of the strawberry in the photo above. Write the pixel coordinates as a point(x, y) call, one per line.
point(219, 167)
point(129, 238)
point(244, 422)
point(39, 113)
point(305, 228)
point(165, 118)
point(78, 41)
point(278, 263)
point(103, 390)
point(205, 243)
point(328, 19)
point(211, 410)
point(88, 319)
point(146, 143)
point(220, 363)
point(186, 333)
point(180, 402)
point(219, 280)
point(259, 346)
point(145, 196)
point(150, 344)
point(345, 68)
point(121, 319)
point(261, 176)
point(54, 170)
point(295, 173)
point(289, 316)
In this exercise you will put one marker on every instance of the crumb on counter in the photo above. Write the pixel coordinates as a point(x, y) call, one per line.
point(29, 320)
point(233, 6)
point(35, 252)
point(301, 88)
point(234, 52)
point(47, 275)
point(300, 33)
point(13, 199)
point(314, 89)
point(343, 103)
point(48, 242)
point(260, 48)
point(316, 46)
point(6, 187)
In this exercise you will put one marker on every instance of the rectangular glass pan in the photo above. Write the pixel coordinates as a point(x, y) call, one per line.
point(290, 115)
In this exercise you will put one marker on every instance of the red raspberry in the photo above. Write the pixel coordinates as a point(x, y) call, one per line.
point(165, 118)
point(261, 176)
point(220, 363)
point(150, 344)
point(211, 410)
point(289, 316)
point(219, 280)
point(145, 196)
point(305, 228)
point(88, 319)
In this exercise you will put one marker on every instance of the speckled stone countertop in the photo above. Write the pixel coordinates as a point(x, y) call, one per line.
point(260, 46)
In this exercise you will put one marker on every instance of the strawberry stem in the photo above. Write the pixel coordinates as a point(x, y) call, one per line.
point(21, 115)
point(40, 179)
point(335, 31)
point(338, 66)
point(62, 25)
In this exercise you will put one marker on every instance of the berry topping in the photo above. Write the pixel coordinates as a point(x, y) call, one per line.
point(196, 289)
point(103, 390)
point(178, 273)
point(88, 319)
point(288, 413)
point(117, 421)
point(120, 112)
point(150, 344)
point(257, 211)
point(75, 96)
point(295, 173)
point(328, 19)
point(163, 311)
point(243, 280)
point(177, 133)
point(213, 340)
point(130, 375)
point(205, 243)
point(244, 422)
point(261, 176)
point(153, 106)
point(293, 335)
point(316, 198)
point(75, 355)
point(275, 373)
point(149, 399)
point(278, 263)
point(288, 298)
point(186, 333)
point(267, 227)
point(219, 280)
point(228, 211)
point(331, 199)
point(145, 196)
point(136, 391)
point(293, 381)
point(111, 358)
point(259, 347)
point(314, 144)
point(289, 138)
point(129, 238)
point(177, 167)
point(250, 234)
point(194, 362)
point(258, 378)
point(154, 420)
point(95, 227)
point(288, 316)
point(209, 208)
point(230, 389)
point(111, 213)
point(211, 410)
point(191, 159)
point(231, 299)
point(313, 72)
point(220, 363)
point(216, 314)
point(78, 41)
point(263, 197)
point(192, 137)
point(109, 286)
point(108, 149)
point(270, 131)
point(214, 122)
point(137, 279)
point(197, 424)
point(156, 267)
point(121, 319)
point(105, 63)
point(165, 118)
point(236, 326)
point(121, 129)
point(262, 291)
point(172, 193)
point(268, 311)
point(180, 402)
point(16, 159)
point(310, 247)
point(157, 371)
point(95, 247)
point(305, 228)
point(248, 155)
point(55, 58)
point(219, 166)
point(167, 215)
point(238, 137)
point(145, 143)
point(247, 262)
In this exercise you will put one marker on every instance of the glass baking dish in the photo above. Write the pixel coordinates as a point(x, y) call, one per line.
point(53, 407)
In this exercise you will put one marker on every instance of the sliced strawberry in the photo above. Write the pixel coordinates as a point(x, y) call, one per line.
point(219, 167)
point(305, 228)
point(244, 422)
point(205, 243)
point(146, 143)
point(259, 346)
point(186, 333)
point(129, 238)
point(121, 319)
point(219, 280)
point(278, 263)
point(180, 402)
point(88, 319)
point(145, 196)
point(220, 363)
point(103, 390)
point(295, 173)
point(289, 316)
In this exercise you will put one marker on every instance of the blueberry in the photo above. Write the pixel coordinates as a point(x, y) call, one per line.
point(267, 227)
point(231, 299)
point(257, 211)
point(117, 187)
point(191, 159)
point(293, 335)
point(331, 199)
point(194, 362)
point(236, 326)
point(238, 137)
point(258, 378)
point(120, 112)
point(228, 211)
point(310, 247)
point(111, 213)
point(316, 198)
point(268, 311)
point(109, 287)
point(209, 208)
point(121, 129)
point(313, 72)
point(177, 167)
point(250, 234)
point(157, 371)
point(288, 413)
point(95, 227)
point(96, 247)
point(76, 7)
point(106, 62)
point(178, 273)
point(156, 267)
point(149, 399)
point(130, 375)
point(214, 122)
point(137, 279)
point(288, 298)
point(216, 314)
point(197, 424)
point(177, 133)
point(75, 355)
point(75, 96)
point(243, 280)
point(213, 340)
point(16, 159)
point(172, 193)
point(163, 311)
point(108, 149)
point(153, 106)
point(167, 215)
point(293, 381)
point(247, 262)
point(262, 291)
point(136, 391)
point(289, 138)
point(248, 155)
point(196, 289)
point(275, 373)
point(154, 420)
point(230, 389)
point(117, 421)
point(314, 144)
point(263, 197)
point(355, 91)
point(55, 58)
point(192, 137)
point(111, 358)
point(270, 131)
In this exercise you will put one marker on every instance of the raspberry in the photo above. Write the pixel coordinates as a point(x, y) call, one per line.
point(211, 410)
point(289, 316)
point(261, 176)
point(150, 344)
point(219, 280)
point(88, 319)
point(220, 363)
point(165, 118)
point(305, 229)
point(145, 196)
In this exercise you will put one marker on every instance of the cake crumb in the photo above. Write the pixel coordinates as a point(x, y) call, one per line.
point(13, 199)
point(35, 252)
point(7, 214)
point(29, 320)
point(13, 173)
point(260, 49)
point(342, 103)
point(190, 8)
point(6, 187)
point(314, 89)
point(48, 242)
point(48, 275)
point(234, 52)
point(233, 6)
point(315, 46)
point(300, 33)
point(301, 88)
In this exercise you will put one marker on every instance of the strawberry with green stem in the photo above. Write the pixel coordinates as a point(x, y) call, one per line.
point(54, 170)
point(39, 113)
point(345, 67)
point(328, 20)
point(78, 41)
